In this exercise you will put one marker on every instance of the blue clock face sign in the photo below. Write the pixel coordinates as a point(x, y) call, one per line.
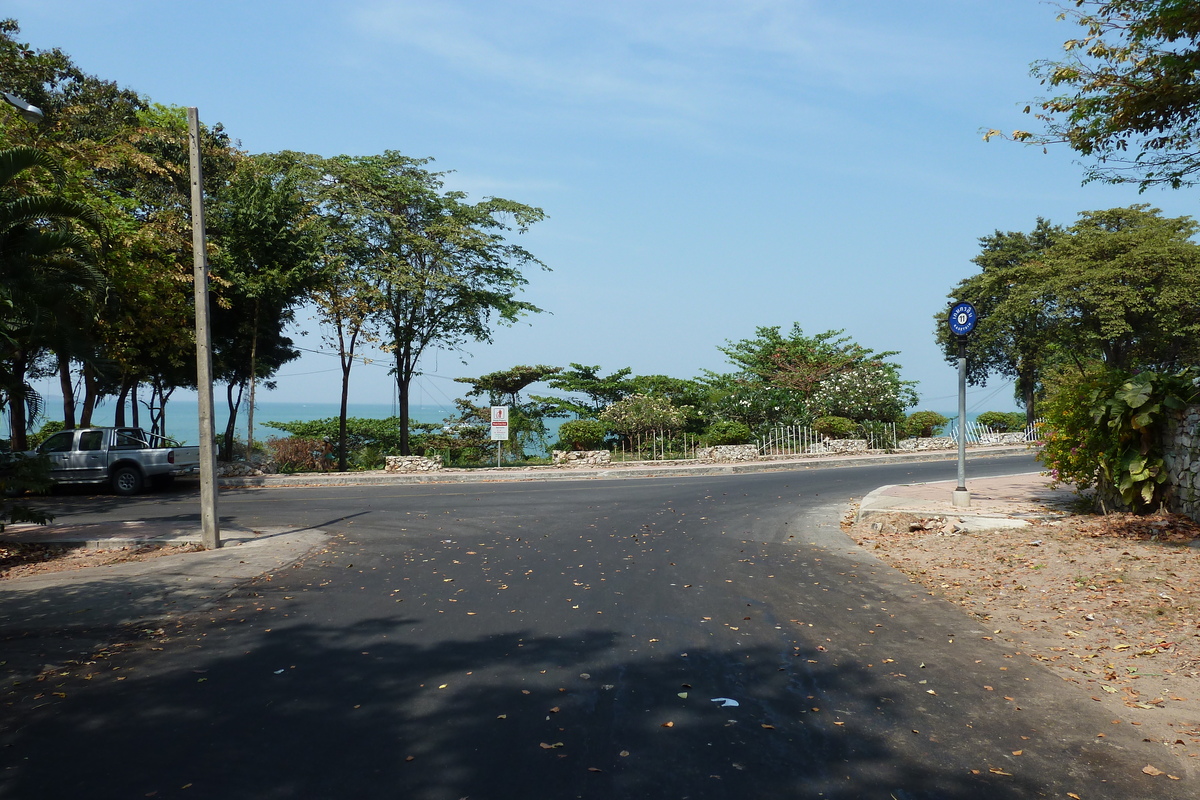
point(962, 319)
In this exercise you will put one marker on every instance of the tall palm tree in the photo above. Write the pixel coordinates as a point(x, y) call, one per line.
point(47, 279)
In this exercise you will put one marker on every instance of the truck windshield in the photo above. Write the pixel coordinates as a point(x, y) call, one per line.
point(58, 443)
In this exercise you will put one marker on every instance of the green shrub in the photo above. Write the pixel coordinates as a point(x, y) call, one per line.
point(923, 424)
point(1105, 431)
point(49, 428)
point(835, 427)
point(582, 434)
point(726, 431)
point(1003, 421)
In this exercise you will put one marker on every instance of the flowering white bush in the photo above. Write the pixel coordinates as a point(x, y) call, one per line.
point(640, 413)
point(871, 391)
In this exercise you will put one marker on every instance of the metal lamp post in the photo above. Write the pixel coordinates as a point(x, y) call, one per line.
point(29, 113)
point(962, 322)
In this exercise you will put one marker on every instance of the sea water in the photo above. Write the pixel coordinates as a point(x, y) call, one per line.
point(183, 417)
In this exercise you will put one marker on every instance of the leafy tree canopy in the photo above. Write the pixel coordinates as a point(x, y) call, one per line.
point(1130, 91)
point(1010, 338)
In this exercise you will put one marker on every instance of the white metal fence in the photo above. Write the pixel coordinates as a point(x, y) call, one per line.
point(982, 434)
point(795, 440)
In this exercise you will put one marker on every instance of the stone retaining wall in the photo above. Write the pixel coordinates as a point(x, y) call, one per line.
point(581, 458)
point(927, 443)
point(1017, 437)
point(840, 446)
point(412, 464)
point(243, 469)
point(728, 452)
point(1181, 447)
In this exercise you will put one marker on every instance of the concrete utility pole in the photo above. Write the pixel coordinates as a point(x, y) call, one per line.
point(209, 522)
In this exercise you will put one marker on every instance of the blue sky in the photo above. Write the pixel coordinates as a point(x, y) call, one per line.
point(707, 167)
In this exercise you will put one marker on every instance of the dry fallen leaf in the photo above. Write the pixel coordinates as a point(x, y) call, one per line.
point(667, 725)
point(1152, 770)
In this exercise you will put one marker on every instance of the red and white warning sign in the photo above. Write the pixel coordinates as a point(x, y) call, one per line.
point(499, 423)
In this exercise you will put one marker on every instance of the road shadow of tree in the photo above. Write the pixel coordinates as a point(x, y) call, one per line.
point(354, 711)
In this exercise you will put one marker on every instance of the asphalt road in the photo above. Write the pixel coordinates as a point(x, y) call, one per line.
point(709, 637)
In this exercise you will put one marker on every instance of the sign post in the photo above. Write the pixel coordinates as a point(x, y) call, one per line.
point(962, 322)
point(499, 429)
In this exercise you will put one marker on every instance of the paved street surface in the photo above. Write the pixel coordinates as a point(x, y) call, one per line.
point(699, 637)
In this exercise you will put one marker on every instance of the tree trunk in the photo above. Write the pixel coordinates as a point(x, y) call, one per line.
point(18, 420)
point(342, 416)
point(91, 395)
point(403, 379)
point(122, 398)
point(67, 387)
point(134, 412)
point(253, 383)
point(1027, 385)
point(230, 427)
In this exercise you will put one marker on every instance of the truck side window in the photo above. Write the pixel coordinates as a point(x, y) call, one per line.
point(128, 439)
point(58, 443)
point(91, 440)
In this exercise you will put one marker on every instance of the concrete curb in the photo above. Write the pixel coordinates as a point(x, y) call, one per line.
point(641, 470)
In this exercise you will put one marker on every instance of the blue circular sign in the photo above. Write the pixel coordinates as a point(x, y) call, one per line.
point(963, 319)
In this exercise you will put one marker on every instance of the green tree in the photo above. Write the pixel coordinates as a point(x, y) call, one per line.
point(1011, 336)
point(347, 297)
point(1123, 286)
point(46, 274)
point(600, 390)
point(1129, 95)
point(526, 419)
point(794, 378)
point(264, 265)
point(444, 268)
point(640, 414)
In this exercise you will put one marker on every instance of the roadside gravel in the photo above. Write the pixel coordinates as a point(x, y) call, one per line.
point(1111, 604)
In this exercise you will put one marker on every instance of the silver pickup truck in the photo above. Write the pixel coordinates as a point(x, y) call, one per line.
point(126, 458)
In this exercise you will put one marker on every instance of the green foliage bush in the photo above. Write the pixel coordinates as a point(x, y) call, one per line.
point(1002, 421)
point(640, 413)
point(20, 473)
point(923, 424)
point(726, 431)
point(835, 427)
point(1105, 432)
point(582, 434)
point(48, 429)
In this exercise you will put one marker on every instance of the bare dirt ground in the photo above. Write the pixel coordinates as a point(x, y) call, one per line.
point(20, 559)
point(1110, 603)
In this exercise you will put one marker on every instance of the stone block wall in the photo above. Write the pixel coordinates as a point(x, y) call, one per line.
point(581, 458)
point(728, 452)
point(927, 443)
point(1181, 448)
point(841, 446)
point(412, 464)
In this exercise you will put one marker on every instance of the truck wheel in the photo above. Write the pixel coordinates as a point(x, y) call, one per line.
point(127, 481)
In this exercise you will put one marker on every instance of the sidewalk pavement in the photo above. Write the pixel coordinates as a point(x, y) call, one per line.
point(1009, 501)
point(49, 619)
